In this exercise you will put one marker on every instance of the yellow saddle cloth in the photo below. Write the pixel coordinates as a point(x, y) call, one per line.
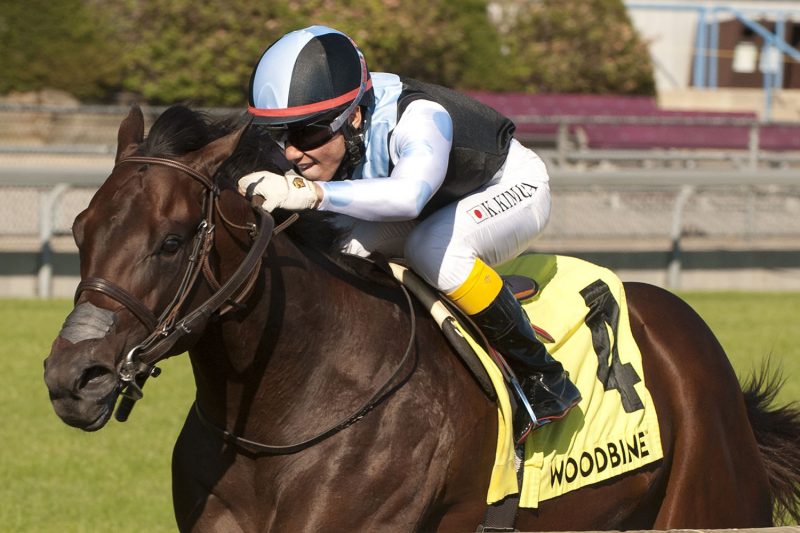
point(614, 429)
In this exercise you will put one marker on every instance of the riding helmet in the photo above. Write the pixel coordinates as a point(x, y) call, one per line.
point(308, 75)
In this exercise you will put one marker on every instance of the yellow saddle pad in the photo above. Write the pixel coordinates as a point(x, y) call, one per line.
point(614, 429)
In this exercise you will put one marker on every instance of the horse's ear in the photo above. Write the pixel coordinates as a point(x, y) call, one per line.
point(131, 132)
point(210, 157)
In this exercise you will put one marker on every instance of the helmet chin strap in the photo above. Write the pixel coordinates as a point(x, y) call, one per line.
point(355, 148)
point(354, 144)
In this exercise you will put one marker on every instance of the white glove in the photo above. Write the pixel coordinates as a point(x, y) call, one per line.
point(292, 191)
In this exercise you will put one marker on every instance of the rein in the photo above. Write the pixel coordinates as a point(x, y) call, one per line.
point(389, 386)
point(166, 329)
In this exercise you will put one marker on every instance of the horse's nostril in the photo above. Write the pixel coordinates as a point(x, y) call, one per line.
point(94, 377)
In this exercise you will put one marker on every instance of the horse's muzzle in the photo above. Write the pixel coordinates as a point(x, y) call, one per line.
point(82, 389)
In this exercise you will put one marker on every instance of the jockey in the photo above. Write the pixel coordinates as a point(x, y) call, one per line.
point(417, 171)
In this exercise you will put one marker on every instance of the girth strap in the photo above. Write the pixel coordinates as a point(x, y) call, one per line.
point(501, 516)
point(122, 296)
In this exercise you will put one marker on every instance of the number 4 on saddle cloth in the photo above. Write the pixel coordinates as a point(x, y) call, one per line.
point(582, 317)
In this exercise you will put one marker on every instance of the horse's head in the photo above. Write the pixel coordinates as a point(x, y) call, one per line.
point(135, 241)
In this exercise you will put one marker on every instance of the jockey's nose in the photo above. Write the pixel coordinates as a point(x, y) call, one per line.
point(292, 154)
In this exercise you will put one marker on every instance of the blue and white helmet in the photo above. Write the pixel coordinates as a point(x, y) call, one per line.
point(309, 75)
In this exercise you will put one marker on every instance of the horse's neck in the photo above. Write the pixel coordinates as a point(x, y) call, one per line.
point(312, 339)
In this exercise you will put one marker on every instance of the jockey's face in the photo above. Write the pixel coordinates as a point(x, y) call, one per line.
point(322, 162)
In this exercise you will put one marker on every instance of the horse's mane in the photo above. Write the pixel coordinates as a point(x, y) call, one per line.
point(180, 130)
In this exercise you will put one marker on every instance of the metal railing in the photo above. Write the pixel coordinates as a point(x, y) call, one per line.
point(566, 148)
point(657, 194)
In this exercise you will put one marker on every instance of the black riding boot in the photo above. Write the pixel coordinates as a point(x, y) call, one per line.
point(543, 379)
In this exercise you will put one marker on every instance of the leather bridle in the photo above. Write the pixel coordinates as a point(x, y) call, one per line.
point(167, 328)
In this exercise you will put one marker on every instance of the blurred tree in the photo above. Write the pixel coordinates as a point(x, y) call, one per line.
point(202, 53)
point(572, 46)
point(195, 52)
point(178, 50)
point(449, 42)
point(58, 45)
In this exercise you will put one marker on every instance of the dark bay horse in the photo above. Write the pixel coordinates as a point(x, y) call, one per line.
point(383, 427)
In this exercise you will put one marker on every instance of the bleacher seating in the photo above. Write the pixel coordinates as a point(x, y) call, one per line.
point(776, 137)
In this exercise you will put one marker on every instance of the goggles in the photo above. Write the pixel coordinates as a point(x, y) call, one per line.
point(309, 136)
point(305, 137)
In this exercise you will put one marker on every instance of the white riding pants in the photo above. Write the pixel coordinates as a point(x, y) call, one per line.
point(495, 223)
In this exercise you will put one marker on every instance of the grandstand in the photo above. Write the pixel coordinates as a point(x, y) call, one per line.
point(635, 123)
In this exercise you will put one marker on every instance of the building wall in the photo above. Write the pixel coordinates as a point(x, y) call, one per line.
point(670, 37)
point(670, 28)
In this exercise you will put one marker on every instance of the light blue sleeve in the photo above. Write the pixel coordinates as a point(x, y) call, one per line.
point(420, 149)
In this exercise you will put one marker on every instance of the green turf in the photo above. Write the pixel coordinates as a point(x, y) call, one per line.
point(59, 479)
point(755, 326)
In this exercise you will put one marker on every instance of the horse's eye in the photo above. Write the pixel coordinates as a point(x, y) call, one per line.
point(171, 244)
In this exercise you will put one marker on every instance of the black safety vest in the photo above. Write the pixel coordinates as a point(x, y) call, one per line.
point(481, 138)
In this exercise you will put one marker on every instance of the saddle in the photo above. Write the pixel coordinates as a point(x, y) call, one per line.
point(446, 315)
point(613, 432)
point(498, 516)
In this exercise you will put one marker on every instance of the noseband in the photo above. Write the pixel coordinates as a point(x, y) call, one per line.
point(167, 328)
